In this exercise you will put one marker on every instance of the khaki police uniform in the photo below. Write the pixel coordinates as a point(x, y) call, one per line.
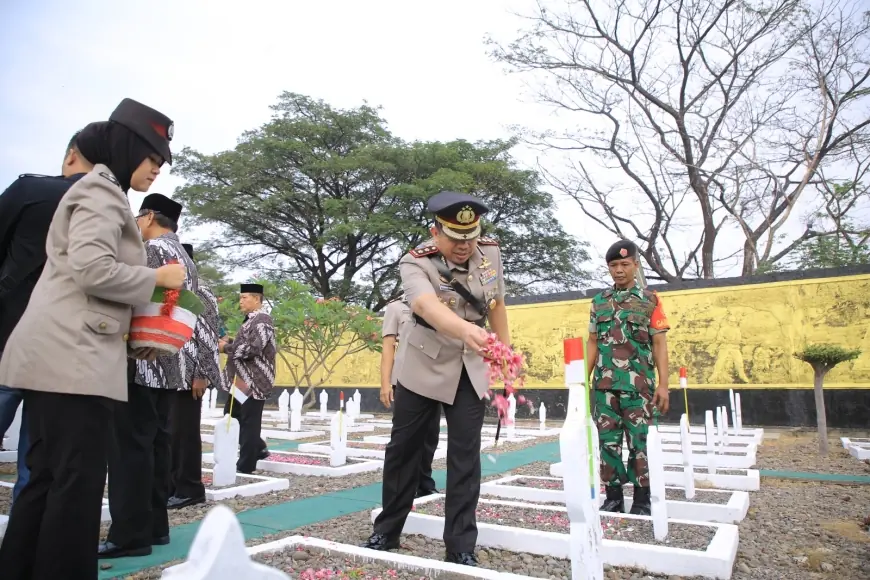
point(433, 368)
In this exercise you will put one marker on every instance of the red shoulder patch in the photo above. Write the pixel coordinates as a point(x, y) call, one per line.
point(423, 251)
point(487, 242)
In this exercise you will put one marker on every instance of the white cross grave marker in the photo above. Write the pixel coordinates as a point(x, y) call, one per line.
point(577, 446)
point(324, 398)
point(212, 402)
point(733, 409)
point(711, 442)
point(218, 553)
point(511, 415)
point(206, 398)
point(658, 501)
point(226, 451)
point(283, 406)
point(688, 467)
point(296, 410)
point(738, 417)
point(338, 439)
point(542, 414)
point(14, 431)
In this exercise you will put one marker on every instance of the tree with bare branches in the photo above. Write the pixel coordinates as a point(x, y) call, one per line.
point(699, 118)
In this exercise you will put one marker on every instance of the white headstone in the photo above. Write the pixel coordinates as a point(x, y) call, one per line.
point(284, 406)
point(733, 408)
point(511, 416)
point(218, 553)
point(710, 432)
point(659, 506)
point(738, 418)
point(542, 414)
point(212, 402)
point(357, 399)
point(14, 429)
point(688, 464)
point(721, 413)
point(338, 440)
point(296, 400)
point(350, 412)
point(724, 425)
point(226, 451)
point(324, 398)
point(206, 398)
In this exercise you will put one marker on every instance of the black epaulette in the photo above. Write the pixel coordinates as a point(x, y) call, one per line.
point(23, 175)
point(109, 177)
point(423, 251)
point(487, 242)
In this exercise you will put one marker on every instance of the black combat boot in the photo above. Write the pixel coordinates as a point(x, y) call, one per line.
point(640, 505)
point(614, 502)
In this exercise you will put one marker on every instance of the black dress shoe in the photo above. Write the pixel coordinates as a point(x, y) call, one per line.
point(464, 558)
point(176, 502)
point(112, 550)
point(263, 454)
point(615, 501)
point(161, 541)
point(425, 492)
point(381, 542)
point(640, 502)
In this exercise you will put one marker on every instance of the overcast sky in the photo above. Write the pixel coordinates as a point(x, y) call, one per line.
point(215, 67)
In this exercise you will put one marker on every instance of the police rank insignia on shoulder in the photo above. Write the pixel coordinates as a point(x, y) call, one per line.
point(487, 242)
point(109, 177)
point(488, 276)
point(423, 251)
point(23, 175)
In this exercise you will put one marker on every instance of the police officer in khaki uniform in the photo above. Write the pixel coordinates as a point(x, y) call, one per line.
point(396, 314)
point(454, 285)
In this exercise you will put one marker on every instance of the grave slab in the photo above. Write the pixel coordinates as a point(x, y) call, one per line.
point(359, 449)
point(860, 451)
point(716, 561)
point(259, 486)
point(730, 508)
point(725, 479)
point(308, 464)
point(728, 460)
point(756, 435)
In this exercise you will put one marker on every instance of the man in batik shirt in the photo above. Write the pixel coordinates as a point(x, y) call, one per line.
point(186, 486)
point(139, 455)
point(250, 374)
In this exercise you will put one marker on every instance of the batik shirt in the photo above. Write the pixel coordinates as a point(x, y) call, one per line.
point(208, 365)
point(625, 321)
point(170, 371)
point(251, 356)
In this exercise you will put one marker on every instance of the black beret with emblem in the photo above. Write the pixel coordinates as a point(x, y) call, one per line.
point(152, 126)
point(458, 213)
point(189, 249)
point(252, 289)
point(157, 202)
point(620, 251)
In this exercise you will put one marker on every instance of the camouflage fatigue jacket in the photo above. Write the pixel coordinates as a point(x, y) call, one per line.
point(624, 322)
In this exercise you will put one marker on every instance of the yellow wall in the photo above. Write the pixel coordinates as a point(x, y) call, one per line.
point(732, 335)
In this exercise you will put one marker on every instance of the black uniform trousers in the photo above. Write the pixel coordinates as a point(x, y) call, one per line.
point(54, 527)
point(184, 428)
point(412, 419)
point(139, 467)
point(430, 444)
point(250, 418)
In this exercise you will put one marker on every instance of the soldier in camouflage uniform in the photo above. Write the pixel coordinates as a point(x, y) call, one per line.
point(627, 345)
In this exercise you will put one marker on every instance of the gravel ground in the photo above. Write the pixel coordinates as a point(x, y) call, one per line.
point(799, 451)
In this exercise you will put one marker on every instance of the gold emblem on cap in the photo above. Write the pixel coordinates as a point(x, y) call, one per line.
point(466, 215)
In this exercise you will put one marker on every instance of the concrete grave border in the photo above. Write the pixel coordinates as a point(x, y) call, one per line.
point(674, 477)
point(325, 447)
point(858, 447)
point(353, 466)
point(716, 562)
point(731, 513)
point(732, 435)
point(262, 486)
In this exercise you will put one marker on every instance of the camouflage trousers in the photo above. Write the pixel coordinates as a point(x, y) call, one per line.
point(619, 413)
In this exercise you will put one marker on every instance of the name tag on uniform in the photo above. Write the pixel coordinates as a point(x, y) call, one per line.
point(445, 287)
point(488, 276)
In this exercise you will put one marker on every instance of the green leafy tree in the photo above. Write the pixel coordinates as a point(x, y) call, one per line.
point(331, 198)
point(823, 358)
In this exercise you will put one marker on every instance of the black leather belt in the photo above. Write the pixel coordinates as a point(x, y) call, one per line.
point(419, 320)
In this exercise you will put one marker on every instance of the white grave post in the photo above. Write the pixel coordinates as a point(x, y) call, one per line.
point(226, 451)
point(733, 409)
point(324, 398)
point(542, 415)
point(14, 429)
point(296, 410)
point(724, 425)
point(658, 501)
point(212, 402)
point(218, 553)
point(338, 439)
point(357, 399)
point(688, 464)
point(206, 399)
point(284, 407)
point(710, 431)
point(738, 417)
point(511, 416)
point(577, 444)
point(721, 413)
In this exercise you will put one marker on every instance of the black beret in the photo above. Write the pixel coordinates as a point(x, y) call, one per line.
point(161, 204)
point(621, 250)
point(252, 289)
